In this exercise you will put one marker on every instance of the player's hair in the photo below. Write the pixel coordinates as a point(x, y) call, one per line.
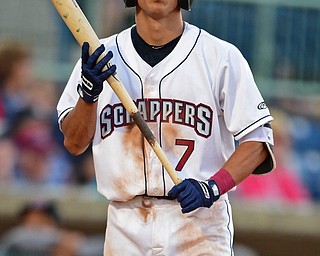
point(11, 52)
point(184, 4)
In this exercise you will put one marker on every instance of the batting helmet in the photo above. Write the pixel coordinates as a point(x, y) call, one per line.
point(184, 4)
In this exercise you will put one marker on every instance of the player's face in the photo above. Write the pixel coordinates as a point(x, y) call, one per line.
point(158, 9)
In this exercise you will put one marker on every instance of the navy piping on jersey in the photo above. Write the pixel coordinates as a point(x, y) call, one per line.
point(64, 111)
point(228, 227)
point(142, 139)
point(160, 84)
point(250, 125)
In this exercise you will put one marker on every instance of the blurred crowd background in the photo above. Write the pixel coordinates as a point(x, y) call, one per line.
point(280, 40)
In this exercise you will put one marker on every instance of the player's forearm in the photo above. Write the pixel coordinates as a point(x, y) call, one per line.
point(79, 127)
point(248, 156)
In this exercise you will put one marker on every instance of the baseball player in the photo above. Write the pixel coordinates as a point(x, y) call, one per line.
point(198, 95)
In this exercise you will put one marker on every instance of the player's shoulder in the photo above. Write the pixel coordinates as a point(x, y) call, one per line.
point(108, 41)
point(123, 37)
point(113, 38)
point(222, 45)
point(214, 44)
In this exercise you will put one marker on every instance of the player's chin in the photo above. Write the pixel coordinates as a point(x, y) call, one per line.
point(158, 9)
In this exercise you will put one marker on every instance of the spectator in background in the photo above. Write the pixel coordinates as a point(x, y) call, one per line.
point(42, 99)
point(40, 161)
point(283, 185)
point(2, 117)
point(8, 160)
point(16, 74)
point(36, 232)
point(85, 173)
point(27, 122)
point(39, 232)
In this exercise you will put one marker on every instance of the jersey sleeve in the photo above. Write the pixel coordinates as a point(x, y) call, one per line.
point(263, 134)
point(240, 100)
point(69, 95)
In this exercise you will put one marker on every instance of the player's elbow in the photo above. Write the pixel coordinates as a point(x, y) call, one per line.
point(74, 148)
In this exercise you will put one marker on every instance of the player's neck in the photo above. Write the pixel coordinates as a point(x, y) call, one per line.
point(159, 31)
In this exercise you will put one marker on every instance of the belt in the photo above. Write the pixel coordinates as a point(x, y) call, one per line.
point(158, 197)
point(222, 197)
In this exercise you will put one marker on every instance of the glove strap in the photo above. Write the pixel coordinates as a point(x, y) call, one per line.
point(215, 188)
point(85, 95)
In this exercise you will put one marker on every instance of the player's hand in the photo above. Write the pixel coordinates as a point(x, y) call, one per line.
point(92, 75)
point(192, 194)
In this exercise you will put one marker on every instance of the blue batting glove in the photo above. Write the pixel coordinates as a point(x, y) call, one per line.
point(192, 194)
point(92, 75)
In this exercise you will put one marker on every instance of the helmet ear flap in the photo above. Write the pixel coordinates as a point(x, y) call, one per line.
point(185, 4)
point(130, 3)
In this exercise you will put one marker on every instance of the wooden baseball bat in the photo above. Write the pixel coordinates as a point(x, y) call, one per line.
point(81, 29)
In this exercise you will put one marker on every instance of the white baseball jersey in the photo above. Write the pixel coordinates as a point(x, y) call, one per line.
point(197, 100)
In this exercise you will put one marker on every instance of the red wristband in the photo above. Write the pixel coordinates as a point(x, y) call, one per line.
point(223, 180)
